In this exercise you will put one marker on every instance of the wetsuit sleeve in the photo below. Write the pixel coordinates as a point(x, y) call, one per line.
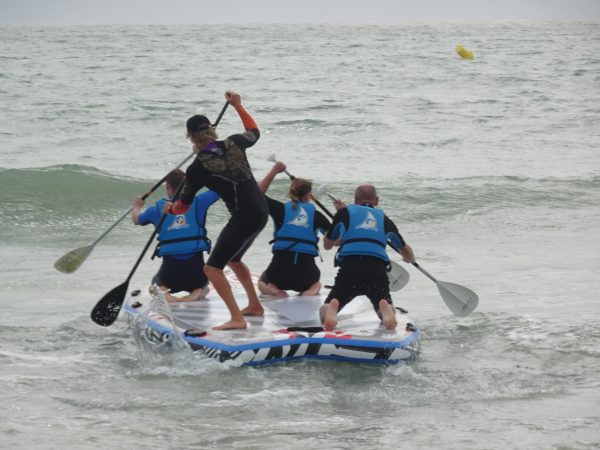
point(150, 215)
point(193, 183)
point(395, 239)
point(249, 138)
point(276, 211)
point(322, 224)
point(247, 120)
point(339, 225)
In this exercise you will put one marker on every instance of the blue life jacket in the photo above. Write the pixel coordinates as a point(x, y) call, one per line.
point(297, 234)
point(182, 233)
point(365, 235)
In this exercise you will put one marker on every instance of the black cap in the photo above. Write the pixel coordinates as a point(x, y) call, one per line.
point(197, 123)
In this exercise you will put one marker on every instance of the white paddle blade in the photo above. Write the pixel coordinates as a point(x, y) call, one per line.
point(398, 277)
point(272, 158)
point(70, 262)
point(459, 299)
point(321, 191)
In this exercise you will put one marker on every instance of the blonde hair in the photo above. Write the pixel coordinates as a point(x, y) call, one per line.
point(299, 188)
point(202, 137)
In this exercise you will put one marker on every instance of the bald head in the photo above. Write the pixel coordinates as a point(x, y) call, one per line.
point(366, 193)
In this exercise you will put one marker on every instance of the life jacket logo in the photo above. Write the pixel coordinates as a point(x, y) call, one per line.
point(301, 219)
point(369, 223)
point(179, 222)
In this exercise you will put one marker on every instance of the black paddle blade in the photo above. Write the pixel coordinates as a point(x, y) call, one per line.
point(107, 309)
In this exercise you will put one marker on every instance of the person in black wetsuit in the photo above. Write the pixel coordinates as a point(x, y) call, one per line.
point(297, 224)
point(222, 166)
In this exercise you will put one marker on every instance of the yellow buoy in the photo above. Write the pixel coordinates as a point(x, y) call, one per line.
point(463, 52)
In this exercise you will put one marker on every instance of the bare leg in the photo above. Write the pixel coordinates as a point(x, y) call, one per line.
point(328, 314)
point(242, 273)
point(388, 315)
point(313, 290)
point(223, 288)
point(270, 289)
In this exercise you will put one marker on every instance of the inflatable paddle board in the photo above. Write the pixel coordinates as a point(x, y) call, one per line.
point(289, 330)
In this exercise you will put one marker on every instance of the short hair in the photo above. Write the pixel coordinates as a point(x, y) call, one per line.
point(365, 193)
point(174, 178)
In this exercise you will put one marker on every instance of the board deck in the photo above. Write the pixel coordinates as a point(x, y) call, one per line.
point(289, 330)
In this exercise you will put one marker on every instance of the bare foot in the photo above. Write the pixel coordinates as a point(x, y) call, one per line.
point(253, 311)
point(330, 319)
point(388, 315)
point(232, 325)
point(313, 290)
point(271, 289)
point(274, 290)
point(171, 298)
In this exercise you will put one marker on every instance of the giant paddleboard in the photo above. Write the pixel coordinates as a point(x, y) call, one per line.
point(289, 330)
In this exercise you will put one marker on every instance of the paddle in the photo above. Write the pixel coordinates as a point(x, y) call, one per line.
point(460, 300)
point(70, 262)
point(398, 276)
point(107, 309)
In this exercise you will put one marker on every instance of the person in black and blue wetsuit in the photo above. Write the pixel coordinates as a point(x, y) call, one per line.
point(182, 240)
point(362, 232)
point(295, 243)
point(222, 166)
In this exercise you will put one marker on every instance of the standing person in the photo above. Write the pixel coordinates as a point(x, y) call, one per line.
point(223, 167)
point(362, 231)
point(182, 240)
point(297, 224)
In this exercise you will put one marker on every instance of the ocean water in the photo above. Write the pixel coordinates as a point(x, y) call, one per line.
point(489, 167)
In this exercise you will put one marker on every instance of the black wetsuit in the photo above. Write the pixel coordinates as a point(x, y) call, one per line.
point(223, 167)
point(291, 270)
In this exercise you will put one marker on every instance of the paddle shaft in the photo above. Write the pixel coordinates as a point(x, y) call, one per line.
point(427, 274)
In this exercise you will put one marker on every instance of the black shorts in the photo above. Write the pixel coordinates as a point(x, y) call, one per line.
point(235, 239)
point(292, 271)
point(361, 275)
point(181, 274)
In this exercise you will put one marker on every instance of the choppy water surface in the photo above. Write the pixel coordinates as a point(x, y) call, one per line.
point(489, 167)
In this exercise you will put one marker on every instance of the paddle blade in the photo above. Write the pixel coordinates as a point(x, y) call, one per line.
point(398, 277)
point(459, 299)
point(70, 262)
point(107, 309)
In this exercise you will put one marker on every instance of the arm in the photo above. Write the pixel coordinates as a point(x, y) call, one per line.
point(337, 229)
point(407, 254)
point(278, 167)
point(396, 241)
point(235, 100)
point(192, 184)
point(136, 209)
point(321, 223)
